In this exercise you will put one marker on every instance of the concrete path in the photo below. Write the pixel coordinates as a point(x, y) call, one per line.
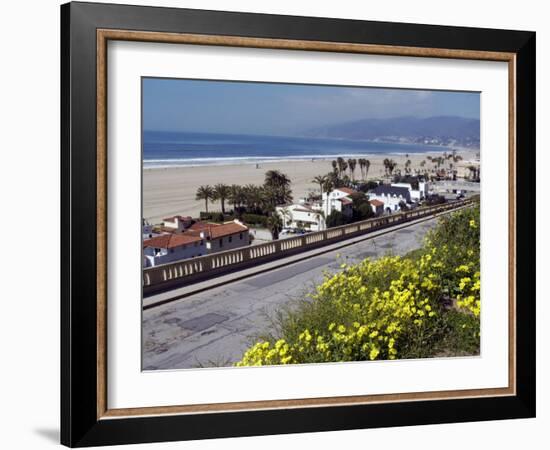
point(215, 327)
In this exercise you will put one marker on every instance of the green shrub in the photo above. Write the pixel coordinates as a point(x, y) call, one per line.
point(255, 219)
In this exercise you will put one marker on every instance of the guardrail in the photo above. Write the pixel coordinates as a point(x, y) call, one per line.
point(188, 271)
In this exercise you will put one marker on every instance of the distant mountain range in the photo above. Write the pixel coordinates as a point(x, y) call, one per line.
point(440, 130)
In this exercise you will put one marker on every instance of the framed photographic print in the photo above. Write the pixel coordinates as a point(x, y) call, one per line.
point(277, 224)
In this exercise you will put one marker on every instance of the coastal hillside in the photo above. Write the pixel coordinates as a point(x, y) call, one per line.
point(439, 130)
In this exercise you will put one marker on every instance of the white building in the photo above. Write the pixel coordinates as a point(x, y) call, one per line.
point(177, 223)
point(171, 247)
point(221, 237)
point(416, 194)
point(377, 206)
point(199, 239)
point(339, 200)
point(302, 215)
point(391, 196)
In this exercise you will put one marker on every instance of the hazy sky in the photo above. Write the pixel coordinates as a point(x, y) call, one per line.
point(285, 109)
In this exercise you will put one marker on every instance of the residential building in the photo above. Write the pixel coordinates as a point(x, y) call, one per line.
point(377, 206)
point(200, 238)
point(171, 247)
point(391, 196)
point(177, 223)
point(416, 194)
point(221, 237)
point(339, 199)
point(302, 215)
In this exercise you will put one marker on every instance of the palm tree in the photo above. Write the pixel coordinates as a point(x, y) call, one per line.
point(334, 166)
point(352, 163)
point(235, 195)
point(389, 165)
point(253, 196)
point(340, 162)
point(328, 185)
point(361, 163)
point(408, 166)
point(366, 162)
point(221, 193)
point(274, 225)
point(275, 178)
point(277, 187)
point(320, 180)
point(287, 216)
point(205, 193)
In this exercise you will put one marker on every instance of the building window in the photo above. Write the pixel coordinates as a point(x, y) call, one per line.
point(221, 242)
point(230, 239)
point(241, 236)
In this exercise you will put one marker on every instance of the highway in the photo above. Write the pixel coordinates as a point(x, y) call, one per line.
point(214, 327)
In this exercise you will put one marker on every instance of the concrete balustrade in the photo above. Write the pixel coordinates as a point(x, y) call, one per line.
point(171, 275)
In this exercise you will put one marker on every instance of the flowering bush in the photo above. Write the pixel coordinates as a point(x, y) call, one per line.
point(393, 307)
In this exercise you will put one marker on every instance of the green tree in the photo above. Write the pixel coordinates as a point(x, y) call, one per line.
point(335, 219)
point(205, 193)
point(352, 164)
point(221, 193)
point(321, 181)
point(274, 225)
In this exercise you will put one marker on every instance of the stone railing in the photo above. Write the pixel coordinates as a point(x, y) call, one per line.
point(176, 274)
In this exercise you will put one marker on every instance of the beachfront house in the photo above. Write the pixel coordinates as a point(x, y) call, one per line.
point(171, 247)
point(221, 237)
point(307, 216)
point(177, 223)
point(416, 194)
point(200, 238)
point(339, 199)
point(377, 206)
point(391, 196)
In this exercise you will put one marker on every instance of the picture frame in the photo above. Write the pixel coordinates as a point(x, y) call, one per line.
point(86, 418)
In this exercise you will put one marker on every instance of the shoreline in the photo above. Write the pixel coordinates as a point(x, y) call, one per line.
point(170, 190)
point(223, 162)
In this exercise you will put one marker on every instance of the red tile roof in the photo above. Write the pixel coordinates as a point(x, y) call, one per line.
point(202, 225)
point(345, 201)
point(170, 240)
point(376, 202)
point(182, 218)
point(216, 230)
point(346, 190)
point(227, 229)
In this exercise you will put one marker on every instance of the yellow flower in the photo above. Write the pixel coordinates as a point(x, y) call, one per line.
point(374, 353)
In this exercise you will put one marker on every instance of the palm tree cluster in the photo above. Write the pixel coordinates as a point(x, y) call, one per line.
point(341, 168)
point(249, 198)
point(389, 166)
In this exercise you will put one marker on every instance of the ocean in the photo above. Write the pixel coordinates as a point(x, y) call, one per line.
point(172, 149)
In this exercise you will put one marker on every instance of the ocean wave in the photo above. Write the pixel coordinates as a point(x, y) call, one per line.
point(234, 160)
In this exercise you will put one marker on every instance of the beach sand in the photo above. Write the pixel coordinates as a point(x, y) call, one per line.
point(171, 191)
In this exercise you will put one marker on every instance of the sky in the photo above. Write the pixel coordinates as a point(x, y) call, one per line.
point(285, 109)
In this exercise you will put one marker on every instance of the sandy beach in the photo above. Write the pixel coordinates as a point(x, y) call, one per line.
point(171, 191)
